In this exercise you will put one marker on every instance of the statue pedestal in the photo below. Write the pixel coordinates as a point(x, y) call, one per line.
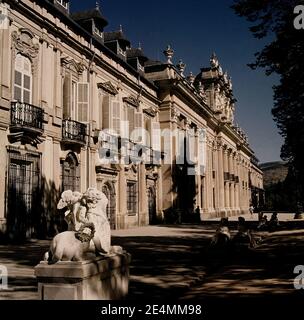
point(103, 278)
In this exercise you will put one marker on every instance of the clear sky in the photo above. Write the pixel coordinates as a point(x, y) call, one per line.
point(194, 29)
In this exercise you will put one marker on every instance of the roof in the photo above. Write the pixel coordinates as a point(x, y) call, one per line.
point(136, 53)
point(116, 35)
point(90, 14)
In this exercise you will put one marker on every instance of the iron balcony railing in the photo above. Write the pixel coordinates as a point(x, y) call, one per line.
point(74, 131)
point(26, 115)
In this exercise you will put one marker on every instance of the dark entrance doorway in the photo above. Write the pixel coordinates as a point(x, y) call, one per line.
point(152, 205)
point(109, 190)
point(23, 196)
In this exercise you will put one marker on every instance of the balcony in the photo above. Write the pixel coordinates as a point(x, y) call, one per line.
point(26, 118)
point(74, 132)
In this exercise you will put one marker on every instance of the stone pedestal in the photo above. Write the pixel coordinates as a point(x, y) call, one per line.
point(104, 278)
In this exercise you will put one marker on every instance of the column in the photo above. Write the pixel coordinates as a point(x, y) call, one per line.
point(122, 199)
point(220, 179)
point(226, 184)
point(231, 183)
point(237, 185)
point(142, 197)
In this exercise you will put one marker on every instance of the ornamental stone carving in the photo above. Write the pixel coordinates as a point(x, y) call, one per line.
point(72, 65)
point(174, 114)
point(132, 101)
point(23, 42)
point(108, 87)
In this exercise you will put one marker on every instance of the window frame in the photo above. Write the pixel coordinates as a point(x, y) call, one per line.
point(23, 72)
point(132, 197)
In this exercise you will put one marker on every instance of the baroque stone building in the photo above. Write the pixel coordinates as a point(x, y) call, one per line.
point(80, 108)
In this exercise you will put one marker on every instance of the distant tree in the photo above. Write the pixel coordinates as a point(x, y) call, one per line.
point(274, 20)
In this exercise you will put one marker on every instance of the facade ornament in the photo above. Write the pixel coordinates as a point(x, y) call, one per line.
point(187, 123)
point(225, 76)
point(214, 61)
point(108, 87)
point(181, 67)
point(169, 54)
point(174, 114)
point(23, 43)
point(132, 101)
point(191, 78)
point(71, 64)
point(201, 89)
point(152, 111)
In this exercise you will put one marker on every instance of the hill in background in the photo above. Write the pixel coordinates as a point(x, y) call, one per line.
point(274, 172)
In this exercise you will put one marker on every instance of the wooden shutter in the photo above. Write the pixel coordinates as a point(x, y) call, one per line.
point(116, 117)
point(83, 101)
point(138, 120)
point(106, 112)
point(131, 119)
point(156, 138)
point(67, 96)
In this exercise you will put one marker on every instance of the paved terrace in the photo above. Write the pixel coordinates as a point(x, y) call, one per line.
point(172, 262)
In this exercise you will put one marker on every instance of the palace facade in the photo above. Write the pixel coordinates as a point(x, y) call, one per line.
point(80, 107)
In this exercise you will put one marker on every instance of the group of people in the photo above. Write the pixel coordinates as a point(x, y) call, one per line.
point(243, 237)
point(271, 225)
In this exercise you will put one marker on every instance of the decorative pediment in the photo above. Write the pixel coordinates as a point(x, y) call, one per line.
point(23, 43)
point(72, 65)
point(132, 101)
point(152, 111)
point(107, 87)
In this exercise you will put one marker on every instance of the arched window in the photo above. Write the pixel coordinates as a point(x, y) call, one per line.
point(23, 79)
point(70, 173)
point(109, 190)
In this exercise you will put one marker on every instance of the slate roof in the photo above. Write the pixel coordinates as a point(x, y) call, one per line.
point(116, 35)
point(90, 14)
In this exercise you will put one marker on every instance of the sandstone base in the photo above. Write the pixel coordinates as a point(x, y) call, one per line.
point(104, 278)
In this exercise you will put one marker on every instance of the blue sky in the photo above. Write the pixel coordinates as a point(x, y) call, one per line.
point(194, 29)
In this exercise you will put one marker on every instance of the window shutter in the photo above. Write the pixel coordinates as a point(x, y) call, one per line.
point(131, 119)
point(155, 134)
point(67, 97)
point(106, 112)
point(83, 101)
point(116, 117)
point(139, 126)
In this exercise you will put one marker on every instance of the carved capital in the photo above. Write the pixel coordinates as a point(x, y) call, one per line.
point(174, 114)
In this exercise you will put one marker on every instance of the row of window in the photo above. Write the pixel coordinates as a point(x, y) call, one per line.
point(70, 176)
point(76, 103)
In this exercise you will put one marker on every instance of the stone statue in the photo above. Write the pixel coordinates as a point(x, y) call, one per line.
point(96, 202)
point(88, 227)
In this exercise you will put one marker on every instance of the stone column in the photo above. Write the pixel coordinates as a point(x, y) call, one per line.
point(122, 198)
point(143, 198)
point(231, 183)
point(226, 184)
point(237, 186)
point(220, 179)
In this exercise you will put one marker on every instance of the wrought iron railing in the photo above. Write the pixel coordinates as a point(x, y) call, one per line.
point(74, 131)
point(26, 115)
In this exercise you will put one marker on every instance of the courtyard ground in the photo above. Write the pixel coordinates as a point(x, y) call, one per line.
point(172, 262)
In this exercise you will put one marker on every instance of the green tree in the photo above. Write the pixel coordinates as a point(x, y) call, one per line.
point(283, 55)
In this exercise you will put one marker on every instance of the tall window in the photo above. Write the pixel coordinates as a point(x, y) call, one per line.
point(132, 197)
point(135, 121)
point(75, 99)
point(111, 114)
point(23, 79)
point(70, 173)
